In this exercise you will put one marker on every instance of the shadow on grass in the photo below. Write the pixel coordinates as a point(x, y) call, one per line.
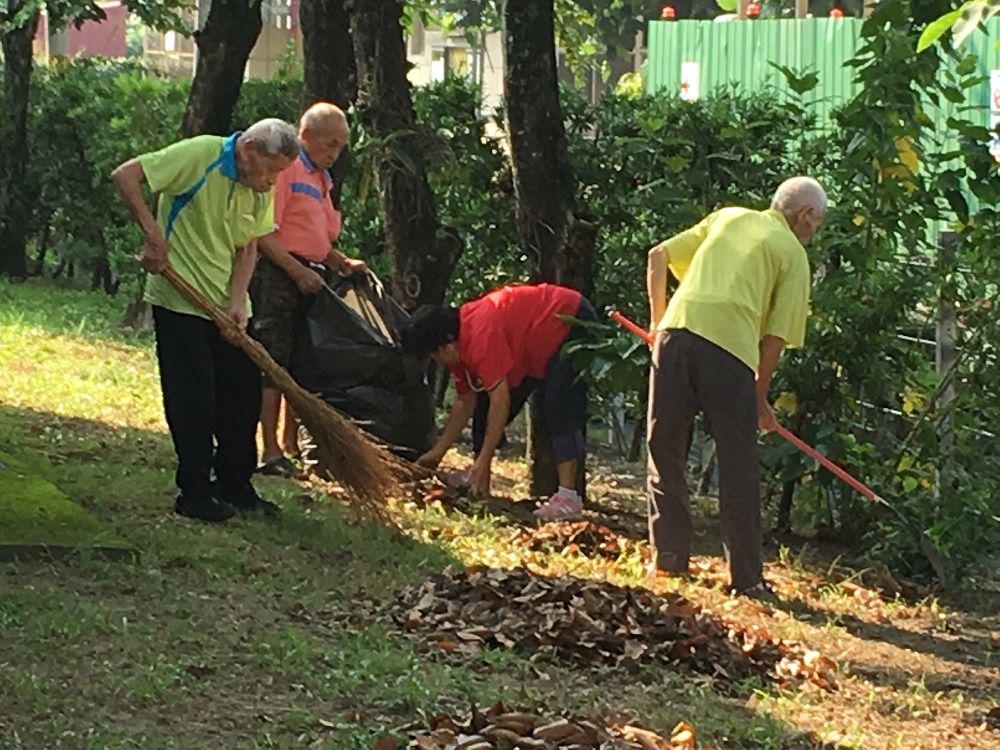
point(125, 477)
point(958, 650)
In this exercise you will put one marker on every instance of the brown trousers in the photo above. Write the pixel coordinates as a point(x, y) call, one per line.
point(690, 375)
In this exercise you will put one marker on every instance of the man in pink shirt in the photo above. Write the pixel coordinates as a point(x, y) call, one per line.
point(294, 264)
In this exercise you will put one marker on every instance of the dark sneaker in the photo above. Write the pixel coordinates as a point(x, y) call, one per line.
point(761, 592)
point(251, 502)
point(260, 505)
point(210, 510)
point(279, 467)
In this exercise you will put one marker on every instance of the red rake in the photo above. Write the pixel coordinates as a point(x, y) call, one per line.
point(941, 564)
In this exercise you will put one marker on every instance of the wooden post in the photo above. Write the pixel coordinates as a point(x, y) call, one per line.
point(801, 8)
point(741, 9)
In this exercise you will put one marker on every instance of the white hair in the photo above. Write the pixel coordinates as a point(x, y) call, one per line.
point(272, 137)
point(797, 193)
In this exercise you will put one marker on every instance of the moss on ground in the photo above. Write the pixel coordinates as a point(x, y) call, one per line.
point(36, 517)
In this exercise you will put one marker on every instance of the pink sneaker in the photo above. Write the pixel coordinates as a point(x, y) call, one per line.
point(560, 507)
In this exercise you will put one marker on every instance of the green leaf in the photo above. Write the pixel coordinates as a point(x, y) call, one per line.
point(967, 65)
point(800, 84)
point(936, 29)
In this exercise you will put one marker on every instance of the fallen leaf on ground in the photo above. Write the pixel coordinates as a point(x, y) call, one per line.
point(502, 728)
point(594, 622)
point(584, 537)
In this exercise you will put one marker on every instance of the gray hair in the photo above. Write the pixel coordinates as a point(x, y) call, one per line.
point(272, 137)
point(797, 193)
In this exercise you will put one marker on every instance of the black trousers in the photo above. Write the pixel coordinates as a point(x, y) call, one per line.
point(691, 374)
point(211, 396)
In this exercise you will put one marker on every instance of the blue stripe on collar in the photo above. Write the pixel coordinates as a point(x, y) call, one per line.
point(227, 164)
point(310, 167)
point(306, 160)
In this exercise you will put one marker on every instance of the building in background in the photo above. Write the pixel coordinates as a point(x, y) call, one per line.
point(434, 55)
point(104, 38)
point(278, 45)
point(169, 51)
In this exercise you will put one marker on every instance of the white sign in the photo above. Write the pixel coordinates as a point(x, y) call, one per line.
point(994, 138)
point(690, 81)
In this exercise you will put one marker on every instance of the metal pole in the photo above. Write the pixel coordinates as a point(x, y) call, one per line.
point(947, 328)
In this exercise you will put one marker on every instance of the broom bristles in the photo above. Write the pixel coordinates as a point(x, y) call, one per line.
point(344, 453)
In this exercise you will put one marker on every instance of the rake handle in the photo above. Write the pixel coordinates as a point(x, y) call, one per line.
point(814, 454)
point(631, 327)
point(862, 488)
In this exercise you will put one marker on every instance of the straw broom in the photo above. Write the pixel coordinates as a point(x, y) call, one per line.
point(345, 453)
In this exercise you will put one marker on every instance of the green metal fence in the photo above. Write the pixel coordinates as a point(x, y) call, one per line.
point(738, 53)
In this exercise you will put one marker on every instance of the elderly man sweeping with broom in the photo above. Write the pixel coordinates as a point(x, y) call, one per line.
point(743, 297)
point(215, 201)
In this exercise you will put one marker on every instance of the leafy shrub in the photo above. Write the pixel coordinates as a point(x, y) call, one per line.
point(87, 116)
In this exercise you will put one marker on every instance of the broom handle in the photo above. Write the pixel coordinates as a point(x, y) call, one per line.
point(863, 489)
point(252, 348)
point(195, 297)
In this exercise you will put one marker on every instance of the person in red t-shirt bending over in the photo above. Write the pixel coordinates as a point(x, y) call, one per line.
point(505, 345)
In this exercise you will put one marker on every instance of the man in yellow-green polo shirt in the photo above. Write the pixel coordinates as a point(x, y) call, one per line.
point(743, 297)
point(215, 201)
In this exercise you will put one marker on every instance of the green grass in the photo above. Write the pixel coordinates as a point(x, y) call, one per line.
point(35, 514)
point(263, 634)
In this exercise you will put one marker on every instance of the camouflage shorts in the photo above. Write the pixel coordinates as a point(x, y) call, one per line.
point(278, 308)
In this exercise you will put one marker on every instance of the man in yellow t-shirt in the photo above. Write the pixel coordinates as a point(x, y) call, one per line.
point(743, 296)
point(215, 201)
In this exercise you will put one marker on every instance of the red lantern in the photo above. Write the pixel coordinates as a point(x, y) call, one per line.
point(753, 10)
point(667, 13)
point(836, 13)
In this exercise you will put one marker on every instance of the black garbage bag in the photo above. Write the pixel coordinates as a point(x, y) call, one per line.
point(347, 352)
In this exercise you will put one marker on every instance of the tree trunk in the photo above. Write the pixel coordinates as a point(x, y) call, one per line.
point(556, 237)
point(224, 43)
point(43, 248)
point(422, 255)
point(14, 204)
point(329, 73)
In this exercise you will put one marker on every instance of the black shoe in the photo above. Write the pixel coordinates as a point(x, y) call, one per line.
point(211, 509)
point(761, 592)
point(279, 467)
point(250, 502)
point(260, 505)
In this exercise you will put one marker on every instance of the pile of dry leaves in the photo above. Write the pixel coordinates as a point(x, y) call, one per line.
point(584, 537)
point(500, 727)
point(594, 622)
